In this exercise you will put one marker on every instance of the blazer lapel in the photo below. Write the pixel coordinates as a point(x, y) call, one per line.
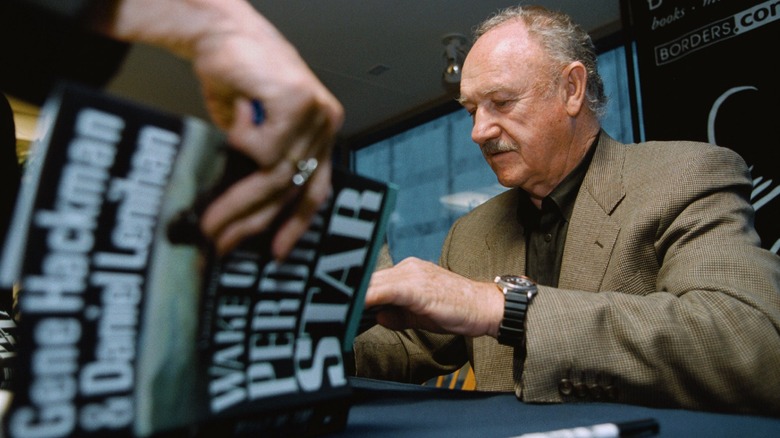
point(505, 242)
point(592, 231)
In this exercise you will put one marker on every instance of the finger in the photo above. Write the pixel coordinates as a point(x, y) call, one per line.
point(379, 292)
point(246, 197)
point(301, 128)
point(232, 235)
point(255, 140)
point(314, 125)
point(311, 137)
point(219, 100)
point(316, 192)
point(392, 318)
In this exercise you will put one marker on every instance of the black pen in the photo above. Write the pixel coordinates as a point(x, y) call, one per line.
point(634, 429)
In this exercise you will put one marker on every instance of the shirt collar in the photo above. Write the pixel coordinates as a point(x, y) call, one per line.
point(565, 193)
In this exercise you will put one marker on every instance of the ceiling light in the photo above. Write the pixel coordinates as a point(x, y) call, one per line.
point(455, 47)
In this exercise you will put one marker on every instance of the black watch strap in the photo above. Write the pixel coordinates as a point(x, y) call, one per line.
point(518, 293)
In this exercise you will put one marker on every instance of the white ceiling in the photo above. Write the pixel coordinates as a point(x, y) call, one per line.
point(343, 40)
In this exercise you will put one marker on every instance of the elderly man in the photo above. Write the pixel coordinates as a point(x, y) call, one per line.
point(608, 272)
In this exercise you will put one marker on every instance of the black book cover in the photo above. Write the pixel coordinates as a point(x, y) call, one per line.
point(130, 326)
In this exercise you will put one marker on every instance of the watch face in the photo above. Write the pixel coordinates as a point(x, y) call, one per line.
point(514, 281)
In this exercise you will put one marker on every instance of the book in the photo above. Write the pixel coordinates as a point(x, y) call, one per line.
point(131, 325)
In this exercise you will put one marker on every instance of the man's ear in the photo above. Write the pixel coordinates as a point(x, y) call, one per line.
point(575, 77)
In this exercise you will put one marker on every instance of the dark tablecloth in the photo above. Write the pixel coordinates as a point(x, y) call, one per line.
point(386, 409)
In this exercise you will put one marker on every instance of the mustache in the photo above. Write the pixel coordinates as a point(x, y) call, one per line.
point(491, 147)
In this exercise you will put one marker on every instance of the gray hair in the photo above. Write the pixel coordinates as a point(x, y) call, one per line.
point(563, 41)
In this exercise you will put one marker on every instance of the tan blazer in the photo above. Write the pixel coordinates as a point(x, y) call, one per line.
point(665, 297)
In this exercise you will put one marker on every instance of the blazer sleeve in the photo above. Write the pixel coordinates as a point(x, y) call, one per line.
point(409, 356)
point(688, 312)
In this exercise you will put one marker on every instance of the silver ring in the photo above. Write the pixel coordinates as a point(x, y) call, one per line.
point(305, 169)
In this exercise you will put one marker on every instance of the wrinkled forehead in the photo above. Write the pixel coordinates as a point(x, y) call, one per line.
point(504, 57)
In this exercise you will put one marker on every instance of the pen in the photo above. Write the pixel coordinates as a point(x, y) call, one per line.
point(634, 429)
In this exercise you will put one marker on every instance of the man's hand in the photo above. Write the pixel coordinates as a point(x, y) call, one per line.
point(260, 91)
point(420, 294)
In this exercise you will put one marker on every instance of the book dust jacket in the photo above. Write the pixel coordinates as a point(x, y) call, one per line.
point(130, 326)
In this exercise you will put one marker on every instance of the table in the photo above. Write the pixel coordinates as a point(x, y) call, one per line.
point(388, 409)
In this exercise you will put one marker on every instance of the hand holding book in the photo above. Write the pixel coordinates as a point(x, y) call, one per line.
point(148, 333)
point(240, 58)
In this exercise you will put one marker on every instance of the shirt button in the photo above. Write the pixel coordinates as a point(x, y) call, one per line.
point(547, 237)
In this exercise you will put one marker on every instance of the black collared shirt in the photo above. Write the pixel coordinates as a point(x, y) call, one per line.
point(545, 229)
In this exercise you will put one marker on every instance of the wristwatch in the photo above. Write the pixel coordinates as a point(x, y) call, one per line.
point(518, 293)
